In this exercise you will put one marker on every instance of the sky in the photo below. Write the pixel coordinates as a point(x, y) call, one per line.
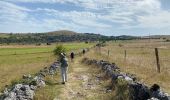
point(107, 17)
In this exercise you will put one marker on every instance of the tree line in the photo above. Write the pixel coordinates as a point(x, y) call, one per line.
point(31, 38)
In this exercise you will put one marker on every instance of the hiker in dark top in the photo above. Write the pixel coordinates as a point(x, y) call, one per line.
point(64, 67)
point(72, 56)
point(84, 51)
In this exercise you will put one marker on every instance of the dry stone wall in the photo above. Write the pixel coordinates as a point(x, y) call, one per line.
point(25, 90)
point(136, 89)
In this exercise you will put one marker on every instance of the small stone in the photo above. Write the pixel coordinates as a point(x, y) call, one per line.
point(33, 87)
point(108, 90)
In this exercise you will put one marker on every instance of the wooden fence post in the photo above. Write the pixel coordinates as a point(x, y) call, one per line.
point(108, 52)
point(157, 60)
point(99, 50)
point(125, 55)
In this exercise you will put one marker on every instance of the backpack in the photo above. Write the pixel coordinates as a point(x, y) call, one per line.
point(64, 62)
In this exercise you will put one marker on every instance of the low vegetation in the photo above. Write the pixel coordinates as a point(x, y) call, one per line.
point(16, 61)
point(59, 49)
point(140, 59)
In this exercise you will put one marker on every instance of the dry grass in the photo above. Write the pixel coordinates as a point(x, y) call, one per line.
point(15, 60)
point(51, 90)
point(140, 60)
point(14, 66)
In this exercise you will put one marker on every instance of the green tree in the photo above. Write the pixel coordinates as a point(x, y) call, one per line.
point(59, 49)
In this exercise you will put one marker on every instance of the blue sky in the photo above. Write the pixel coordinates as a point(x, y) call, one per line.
point(108, 17)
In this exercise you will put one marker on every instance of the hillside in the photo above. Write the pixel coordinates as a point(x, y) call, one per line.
point(62, 32)
point(158, 36)
point(50, 37)
point(64, 36)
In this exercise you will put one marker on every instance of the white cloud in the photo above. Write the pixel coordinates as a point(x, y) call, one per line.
point(84, 18)
point(96, 15)
point(157, 20)
point(11, 12)
point(103, 4)
point(5, 5)
point(19, 19)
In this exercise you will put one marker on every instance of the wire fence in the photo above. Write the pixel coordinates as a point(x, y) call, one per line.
point(142, 57)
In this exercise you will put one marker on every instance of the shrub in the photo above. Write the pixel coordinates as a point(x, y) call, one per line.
point(59, 49)
point(86, 42)
point(122, 92)
point(120, 45)
point(48, 43)
point(38, 44)
point(167, 40)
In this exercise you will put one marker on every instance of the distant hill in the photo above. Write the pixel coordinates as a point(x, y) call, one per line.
point(63, 36)
point(126, 37)
point(158, 36)
point(62, 32)
point(50, 37)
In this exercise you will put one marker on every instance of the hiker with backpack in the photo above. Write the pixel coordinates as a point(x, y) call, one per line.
point(64, 67)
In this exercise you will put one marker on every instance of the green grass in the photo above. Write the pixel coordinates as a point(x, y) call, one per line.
point(4, 35)
point(40, 49)
point(14, 51)
point(52, 89)
point(16, 61)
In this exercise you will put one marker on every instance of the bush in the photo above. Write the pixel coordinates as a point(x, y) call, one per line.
point(122, 92)
point(48, 43)
point(120, 45)
point(59, 49)
point(86, 42)
point(38, 44)
point(167, 40)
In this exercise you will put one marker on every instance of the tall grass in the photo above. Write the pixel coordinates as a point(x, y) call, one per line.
point(140, 60)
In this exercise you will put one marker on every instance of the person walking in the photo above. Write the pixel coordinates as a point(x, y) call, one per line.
point(72, 56)
point(64, 67)
point(84, 51)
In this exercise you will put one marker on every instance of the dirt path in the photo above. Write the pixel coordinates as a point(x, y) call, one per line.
point(85, 83)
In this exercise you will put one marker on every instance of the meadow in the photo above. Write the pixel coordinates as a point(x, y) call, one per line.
point(17, 60)
point(140, 59)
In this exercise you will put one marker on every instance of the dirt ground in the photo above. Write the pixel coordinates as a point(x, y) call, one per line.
point(85, 83)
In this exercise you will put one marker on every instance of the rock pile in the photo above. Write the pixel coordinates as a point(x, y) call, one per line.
point(137, 90)
point(25, 89)
point(19, 92)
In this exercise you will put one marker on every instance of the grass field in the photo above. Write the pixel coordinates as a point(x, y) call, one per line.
point(16, 60)
point(140, 60)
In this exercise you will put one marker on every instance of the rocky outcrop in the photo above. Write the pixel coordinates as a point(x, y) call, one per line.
point(136, 90)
